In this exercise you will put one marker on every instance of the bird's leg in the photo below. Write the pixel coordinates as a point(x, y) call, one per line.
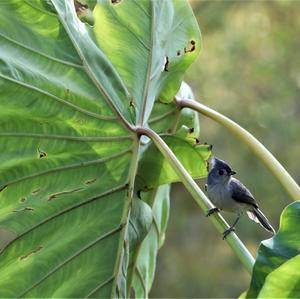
point(212, 210)
point(231, 228)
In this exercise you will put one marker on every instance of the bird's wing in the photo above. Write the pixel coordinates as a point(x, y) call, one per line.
point(241, 194)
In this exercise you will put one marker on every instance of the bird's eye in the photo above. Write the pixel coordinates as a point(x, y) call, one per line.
point(221, 172)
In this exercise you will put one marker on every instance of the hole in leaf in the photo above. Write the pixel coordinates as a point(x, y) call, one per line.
point(41, 153)
point(138, 193)
point(191, 130)
point(178, 53)
point(166, 64)
point(115, 1)
point(191, 47)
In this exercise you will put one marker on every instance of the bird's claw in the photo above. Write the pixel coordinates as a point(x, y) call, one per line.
point(211, 211)
point(228, 231)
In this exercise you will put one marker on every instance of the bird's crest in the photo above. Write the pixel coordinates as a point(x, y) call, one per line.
point(219, 164)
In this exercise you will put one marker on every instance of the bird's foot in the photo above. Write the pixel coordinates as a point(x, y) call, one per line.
point(228, 231)
point(211, 211)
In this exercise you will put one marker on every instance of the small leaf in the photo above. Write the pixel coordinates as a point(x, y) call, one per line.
point(140, 222)
point(192, 155)
point(145, 264)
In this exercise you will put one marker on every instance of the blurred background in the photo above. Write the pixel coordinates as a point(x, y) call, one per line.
point(249, 70)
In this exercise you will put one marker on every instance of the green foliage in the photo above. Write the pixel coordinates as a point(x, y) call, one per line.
point(145, 262)
point(248, 70)
point(184, 145)
point(80, 81)
point(71, 95)
point(276, 270)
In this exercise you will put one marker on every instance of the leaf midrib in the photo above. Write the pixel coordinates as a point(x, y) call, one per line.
point(149, 67)
point(92, 76)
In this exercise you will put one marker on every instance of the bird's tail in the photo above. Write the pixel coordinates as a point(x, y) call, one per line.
point(258, 216)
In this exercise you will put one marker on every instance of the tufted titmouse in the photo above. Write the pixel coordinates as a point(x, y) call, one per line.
point(229, 194)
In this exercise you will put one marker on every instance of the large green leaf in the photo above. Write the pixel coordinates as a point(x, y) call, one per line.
point(70, 96)
point(283, 282)
point(276, 270)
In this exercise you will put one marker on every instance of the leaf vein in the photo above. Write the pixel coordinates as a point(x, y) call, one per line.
point(66, 137)
point(100, 286)
point(71, 166)
point(41, 53)
point(68, 209)
point(62, 101)
point(91, 244)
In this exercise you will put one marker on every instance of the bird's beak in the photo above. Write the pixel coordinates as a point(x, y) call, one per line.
point(232, 172)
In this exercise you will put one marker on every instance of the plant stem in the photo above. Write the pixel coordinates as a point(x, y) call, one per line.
point(259, 149)
point(235, 243)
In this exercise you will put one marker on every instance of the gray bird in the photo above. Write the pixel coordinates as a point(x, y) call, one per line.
point(229, 194)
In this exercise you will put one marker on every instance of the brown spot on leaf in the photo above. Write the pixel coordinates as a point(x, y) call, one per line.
point(122, 225)
point(115, 1)
point(41, 153)
point(24, 257)
point(131, 103)
point(91, 181)
point(197, 140)
point(36, 191)
point(3, 188)
point(23, 199)
point(79, 7)
point(64, 193)
point(178, 53)
point(27, 209)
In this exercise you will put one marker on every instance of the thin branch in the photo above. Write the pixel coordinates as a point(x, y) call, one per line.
point(234, 242)
point(259, 149)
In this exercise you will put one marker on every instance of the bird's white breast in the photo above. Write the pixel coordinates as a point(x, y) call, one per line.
point(221, 197)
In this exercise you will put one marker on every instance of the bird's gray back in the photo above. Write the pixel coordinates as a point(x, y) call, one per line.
point(240, 193)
